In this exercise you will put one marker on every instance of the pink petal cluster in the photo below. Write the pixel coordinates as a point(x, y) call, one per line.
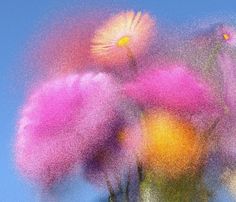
point(172, 87)
point(227, 34)
point(62, 123)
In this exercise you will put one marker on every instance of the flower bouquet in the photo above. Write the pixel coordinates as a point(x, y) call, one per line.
point(132, 109)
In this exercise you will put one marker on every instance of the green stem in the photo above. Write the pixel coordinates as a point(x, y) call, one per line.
point(112, 196)
point(140, 173)
point(213, 54)
point(127, 190)
point(140, 178)
point(132, 60)
point(118, 181)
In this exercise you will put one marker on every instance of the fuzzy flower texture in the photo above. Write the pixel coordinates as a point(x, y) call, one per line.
point(155, 134)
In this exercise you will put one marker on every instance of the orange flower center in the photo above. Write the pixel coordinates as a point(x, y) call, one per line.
point(123, 41)
point(226, 36)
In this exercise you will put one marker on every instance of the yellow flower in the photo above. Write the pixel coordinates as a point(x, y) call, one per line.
point(126, 35)
point(171, 145)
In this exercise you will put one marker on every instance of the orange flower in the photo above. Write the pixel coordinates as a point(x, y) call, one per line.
point(171, 145)
point(124, 36)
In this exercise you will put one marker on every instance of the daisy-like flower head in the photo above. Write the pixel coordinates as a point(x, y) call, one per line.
point(127, 34)
point(227, 34)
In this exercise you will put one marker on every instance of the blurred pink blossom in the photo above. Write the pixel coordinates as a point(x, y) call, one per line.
point(62, 123)
point(173, 87)
point(228, 34)
point(63, 45)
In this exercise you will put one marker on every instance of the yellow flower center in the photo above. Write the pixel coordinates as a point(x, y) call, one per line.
point(123, 41)
point(226, 36)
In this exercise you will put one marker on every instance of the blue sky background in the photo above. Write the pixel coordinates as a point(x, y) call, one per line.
point(19, 20)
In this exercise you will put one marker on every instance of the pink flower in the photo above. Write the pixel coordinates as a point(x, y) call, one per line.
point(65, 45)
point(228, 34)
point(62, 124)
point(173, 87)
